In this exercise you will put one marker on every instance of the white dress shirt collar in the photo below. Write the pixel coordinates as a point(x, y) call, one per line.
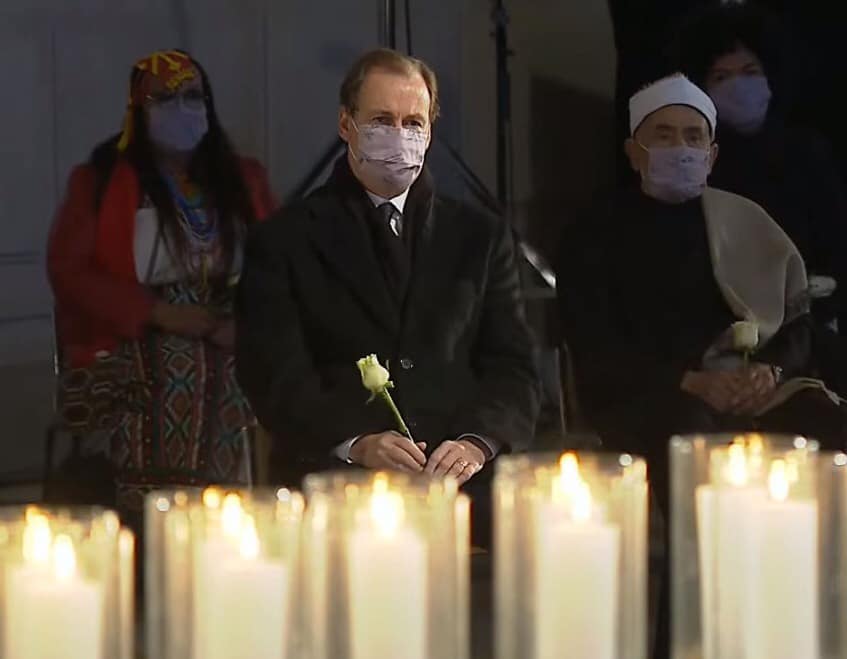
point(399, 202)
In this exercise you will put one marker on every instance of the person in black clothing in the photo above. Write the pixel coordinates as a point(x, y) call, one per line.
point(650, 286)
point(376, 262)
point(734, 53)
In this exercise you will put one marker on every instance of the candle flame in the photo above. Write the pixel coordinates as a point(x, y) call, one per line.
point(756, 450)
point(778, 483)
point(64, 558)
point(212, 497)
point(581, 505)
point(111, 522)
point(380, 483)
point(231, 515)
point(387, 511)
point(755, 443)
point(249, 546)
point(36, 538)
point(571, 490)
point(569, 468)
point(736, 468)
point(126, 542)
point(32, 513)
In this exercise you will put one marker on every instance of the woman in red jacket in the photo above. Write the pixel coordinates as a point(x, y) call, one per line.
point(143, 258)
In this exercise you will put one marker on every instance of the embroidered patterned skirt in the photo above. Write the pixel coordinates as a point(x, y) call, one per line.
point(191, 425)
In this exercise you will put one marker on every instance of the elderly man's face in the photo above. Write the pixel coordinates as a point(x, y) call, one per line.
point(671, 126)
point(386, 98)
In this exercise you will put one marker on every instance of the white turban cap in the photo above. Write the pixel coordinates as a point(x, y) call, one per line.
point(674, 90)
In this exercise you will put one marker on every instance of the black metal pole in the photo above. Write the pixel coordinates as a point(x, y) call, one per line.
point(388, 38)
point(501, 48)
point(408, 11)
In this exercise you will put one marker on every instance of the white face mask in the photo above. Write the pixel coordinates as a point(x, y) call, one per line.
point(742, 102)
point(176, 127)
point(392, 155)
point(676, 173)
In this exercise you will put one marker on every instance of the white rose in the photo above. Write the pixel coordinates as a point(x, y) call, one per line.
point(745, 336)
point(375, 378)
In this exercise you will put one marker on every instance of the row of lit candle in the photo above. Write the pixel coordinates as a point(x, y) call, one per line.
point(750, 585)
point(67, 585)
point(376, 566)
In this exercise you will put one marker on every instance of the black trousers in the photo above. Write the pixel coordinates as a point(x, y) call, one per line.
point(644, 426)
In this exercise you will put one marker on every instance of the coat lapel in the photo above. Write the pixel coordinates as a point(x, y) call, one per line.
point(340, 233)
point(438, 246)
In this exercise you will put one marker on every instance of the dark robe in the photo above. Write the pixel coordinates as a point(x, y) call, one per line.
point(639, 308)
point(790, 173)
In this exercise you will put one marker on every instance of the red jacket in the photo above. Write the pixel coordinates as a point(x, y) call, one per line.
point(90, 260)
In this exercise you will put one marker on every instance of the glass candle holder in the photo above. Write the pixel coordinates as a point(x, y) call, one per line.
point(755, 545)
point(832, 505)
point(571, 556)
point(226, 583)
point(167, 573)
point(385, 567)
point(60, 579)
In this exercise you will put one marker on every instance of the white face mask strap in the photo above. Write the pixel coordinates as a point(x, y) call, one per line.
point(357, 158)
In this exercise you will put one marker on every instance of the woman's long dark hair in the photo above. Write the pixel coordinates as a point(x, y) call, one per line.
point(214, 167)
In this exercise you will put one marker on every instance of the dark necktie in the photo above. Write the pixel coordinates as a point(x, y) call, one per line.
point(390, 249)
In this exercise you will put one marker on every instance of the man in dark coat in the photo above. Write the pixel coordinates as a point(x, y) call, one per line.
point(376, 262)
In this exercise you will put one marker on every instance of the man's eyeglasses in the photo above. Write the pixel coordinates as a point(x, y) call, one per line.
point(193, 99)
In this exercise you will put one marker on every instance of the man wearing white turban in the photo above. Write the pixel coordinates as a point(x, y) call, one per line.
point(651, 287)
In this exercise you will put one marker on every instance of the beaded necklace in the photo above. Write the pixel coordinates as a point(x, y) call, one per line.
point(199, 223)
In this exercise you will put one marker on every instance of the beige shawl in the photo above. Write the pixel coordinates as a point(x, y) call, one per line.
point(761, 275)
point(757, 267)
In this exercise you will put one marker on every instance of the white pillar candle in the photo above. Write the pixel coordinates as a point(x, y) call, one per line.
point(723, 518)
point(783, 575)
point(724, 522)
point(241, 598)
point(759, 571)
point(53, 613)
point(387, 581)
point(177, 584)
point(576, 574)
